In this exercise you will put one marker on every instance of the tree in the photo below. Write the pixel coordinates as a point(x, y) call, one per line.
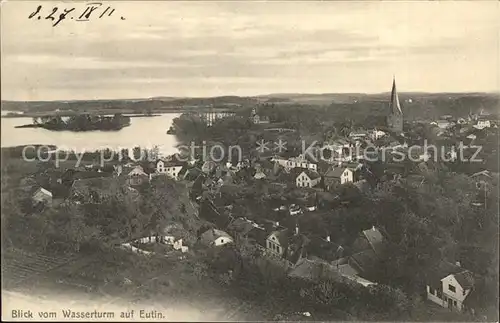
point(345, 128)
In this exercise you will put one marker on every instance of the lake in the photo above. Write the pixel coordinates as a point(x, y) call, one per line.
point(143, 131)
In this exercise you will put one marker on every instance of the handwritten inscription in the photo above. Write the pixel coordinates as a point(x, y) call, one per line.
point(92, 10)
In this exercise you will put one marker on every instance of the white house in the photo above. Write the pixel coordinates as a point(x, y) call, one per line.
point(259, 175)
point(295, 162)
point(481, 124)
point(307, 178)
point(217, 238)
point(42, 196)
point(449, 285)
point(358, 135)
point(377, 134)
point(340, 175)
point(168, 168)
point(137, 176)
point(277, 242)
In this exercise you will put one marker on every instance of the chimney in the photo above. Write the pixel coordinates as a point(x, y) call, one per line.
point(277, 224)
point(328, 238)
point(296, 229)
point(457, 263)
point(373, 228)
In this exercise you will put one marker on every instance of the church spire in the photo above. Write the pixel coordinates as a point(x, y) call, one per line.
point(394, 105)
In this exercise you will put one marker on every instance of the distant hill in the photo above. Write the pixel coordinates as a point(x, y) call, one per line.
point(356, 97)
point(126, 105)
point(414, 104)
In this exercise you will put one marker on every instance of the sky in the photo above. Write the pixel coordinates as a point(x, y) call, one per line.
point(195, 49)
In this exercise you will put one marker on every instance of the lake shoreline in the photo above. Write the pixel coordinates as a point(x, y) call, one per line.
point(143, 132)
point(72, 130)
point(37, 115)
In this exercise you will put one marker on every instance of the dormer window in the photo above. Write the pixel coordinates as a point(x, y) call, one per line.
point(452, 288)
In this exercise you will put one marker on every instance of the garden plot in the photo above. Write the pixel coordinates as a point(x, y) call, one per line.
point(18, 266)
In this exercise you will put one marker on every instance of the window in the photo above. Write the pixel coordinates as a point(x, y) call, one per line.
point(464, 292)
point(452, 288)
point(455, 303)
point(221, 240)
point(277, 248)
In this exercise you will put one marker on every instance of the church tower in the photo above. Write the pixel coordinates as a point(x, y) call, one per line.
point(395, 117)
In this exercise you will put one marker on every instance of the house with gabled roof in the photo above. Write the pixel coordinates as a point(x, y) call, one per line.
point(41, 196)
point(367, 249)
point(170, 168)
point(285, 244)
point(259, 175)
point(449, 285)
point(137, 176)
point(307, 178)
point(337, 176)
point(216, 238)
point(277, 241)
point(370, 239)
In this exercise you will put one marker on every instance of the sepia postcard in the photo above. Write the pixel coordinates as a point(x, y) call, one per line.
point(250, 161)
